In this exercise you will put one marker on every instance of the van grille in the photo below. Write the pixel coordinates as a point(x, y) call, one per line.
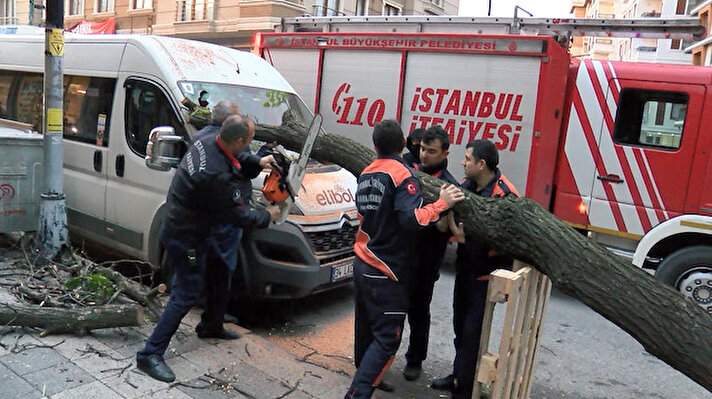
point(333, 240)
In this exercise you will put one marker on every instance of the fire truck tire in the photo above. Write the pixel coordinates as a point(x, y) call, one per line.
point(689, 270)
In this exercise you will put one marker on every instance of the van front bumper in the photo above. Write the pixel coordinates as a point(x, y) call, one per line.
point(282, 262)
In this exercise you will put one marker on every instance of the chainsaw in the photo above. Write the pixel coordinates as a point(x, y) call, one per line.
point(282, 185)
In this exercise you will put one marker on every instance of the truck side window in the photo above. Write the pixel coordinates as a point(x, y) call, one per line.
point(650, 118)
point(87, 109)
point(147, 107)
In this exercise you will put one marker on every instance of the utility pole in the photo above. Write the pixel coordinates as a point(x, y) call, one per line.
point(52, 232)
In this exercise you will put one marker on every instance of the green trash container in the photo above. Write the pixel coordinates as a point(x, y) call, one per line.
point(21, 154)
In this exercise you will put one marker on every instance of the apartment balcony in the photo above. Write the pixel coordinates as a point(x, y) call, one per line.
point(652, 14)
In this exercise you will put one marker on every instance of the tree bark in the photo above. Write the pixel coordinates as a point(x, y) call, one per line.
point(135, 290)
point(668, 325)
point(78, 321)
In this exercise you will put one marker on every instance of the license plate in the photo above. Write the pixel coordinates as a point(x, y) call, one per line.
point(343, 271)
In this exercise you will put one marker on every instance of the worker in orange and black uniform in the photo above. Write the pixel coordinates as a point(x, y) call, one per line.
point(391, 211)
point(475, 261)
point(430, 251)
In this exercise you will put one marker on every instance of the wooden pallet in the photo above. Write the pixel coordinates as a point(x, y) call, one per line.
point(509, 372)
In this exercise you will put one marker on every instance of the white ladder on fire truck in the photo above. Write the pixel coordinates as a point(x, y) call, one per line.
point(564, 28)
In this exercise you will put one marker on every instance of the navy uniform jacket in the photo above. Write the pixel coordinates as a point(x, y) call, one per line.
point(432, 243)
point(207, 190)
point(389, 203)
point(476, 257)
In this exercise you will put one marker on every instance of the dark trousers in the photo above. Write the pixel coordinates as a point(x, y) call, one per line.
point(191, 273)
point(423, 283)
point(381, 306)
point(470, 298)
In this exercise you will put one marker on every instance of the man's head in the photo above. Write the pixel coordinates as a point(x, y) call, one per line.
point(221, 111)
point(434, 146)
point(388, 138)
point(481, 156)
point(203, 98)
point(236, 133)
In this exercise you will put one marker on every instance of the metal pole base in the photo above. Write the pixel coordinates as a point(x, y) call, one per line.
point(52, 234)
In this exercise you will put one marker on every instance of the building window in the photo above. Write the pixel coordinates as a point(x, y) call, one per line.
point(104, 6)
point(676, 44)
point(7, 12)
point(361, 7)
point(141, 4)
point(192, 10)
point(74, 7)
point(391, 9)
point(327, 8)
point(681, 5)
point(650, 118)
point(438, 3)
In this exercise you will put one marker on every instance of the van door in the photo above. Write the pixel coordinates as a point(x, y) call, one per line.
point(87, 133)
point(135, 192)
point(645, 157)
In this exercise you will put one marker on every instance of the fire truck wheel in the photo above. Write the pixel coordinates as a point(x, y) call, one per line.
point(689, 270)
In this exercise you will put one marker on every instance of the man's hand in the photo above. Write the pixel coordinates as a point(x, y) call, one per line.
point(457, 229)
point(266, 161)
point(274, 212)
point(451, 194)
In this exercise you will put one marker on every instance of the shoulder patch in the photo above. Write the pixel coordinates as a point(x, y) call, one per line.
point(411, 187)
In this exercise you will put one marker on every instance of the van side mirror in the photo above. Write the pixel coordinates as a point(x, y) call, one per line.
point(164, 148)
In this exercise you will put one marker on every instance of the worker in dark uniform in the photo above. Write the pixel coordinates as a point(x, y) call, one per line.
point(391, 211)
point(434, 146)
point(224, 239)
point(207, 189)
point(475, 261)
point(412, 157)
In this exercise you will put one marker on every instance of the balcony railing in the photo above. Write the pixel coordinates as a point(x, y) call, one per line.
point(8, 21)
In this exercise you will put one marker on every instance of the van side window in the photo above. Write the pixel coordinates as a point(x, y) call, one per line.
point(87, 109)
point(5, 87)
point(650, 118)
point(147, 107)
point(29, 101)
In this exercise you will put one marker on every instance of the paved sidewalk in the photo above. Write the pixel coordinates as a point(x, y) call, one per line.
point(102, 365)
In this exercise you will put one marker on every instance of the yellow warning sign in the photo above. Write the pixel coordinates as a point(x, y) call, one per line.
point(56, 43)
point(54, 120)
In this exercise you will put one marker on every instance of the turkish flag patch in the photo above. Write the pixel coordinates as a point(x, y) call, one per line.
point(411, 188)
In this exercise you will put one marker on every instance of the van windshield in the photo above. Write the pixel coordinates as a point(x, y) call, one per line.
point(261, 105)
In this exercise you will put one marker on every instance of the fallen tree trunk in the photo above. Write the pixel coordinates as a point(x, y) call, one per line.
point(78, 321)
point(668, 326)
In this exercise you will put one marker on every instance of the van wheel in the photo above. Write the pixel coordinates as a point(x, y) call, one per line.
point(689, 270)
point(166, 270)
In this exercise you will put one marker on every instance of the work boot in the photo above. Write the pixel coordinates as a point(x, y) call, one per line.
point(412, 371)
point(385, 387)
point(220, 334)
point(444, 384)
point(155, 366)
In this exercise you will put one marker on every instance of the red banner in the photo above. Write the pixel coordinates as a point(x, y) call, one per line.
point(95, 27)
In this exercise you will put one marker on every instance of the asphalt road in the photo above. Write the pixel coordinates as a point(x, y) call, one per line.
point(583, 356)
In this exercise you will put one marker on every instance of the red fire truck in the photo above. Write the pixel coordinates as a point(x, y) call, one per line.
point(618, 150)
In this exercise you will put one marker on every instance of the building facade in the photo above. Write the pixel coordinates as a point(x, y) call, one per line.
point(227, 22)
point(701, 51)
